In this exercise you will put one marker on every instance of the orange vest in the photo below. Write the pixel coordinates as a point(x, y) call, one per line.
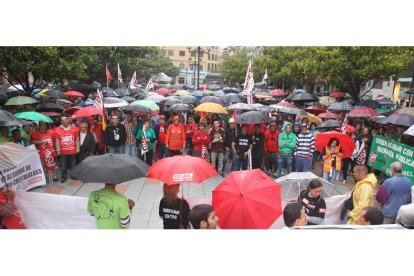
point(327, 165)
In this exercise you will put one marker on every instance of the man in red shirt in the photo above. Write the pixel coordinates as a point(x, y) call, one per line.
point(271, 148)
point(190, 129)
point(67, 145)
point(45, 141)
point(160, 130)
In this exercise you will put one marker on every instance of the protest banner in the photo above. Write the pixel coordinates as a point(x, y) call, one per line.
point(385, 151)
point(24, 171)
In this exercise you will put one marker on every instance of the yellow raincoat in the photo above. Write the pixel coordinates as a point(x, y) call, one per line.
point(363, 197)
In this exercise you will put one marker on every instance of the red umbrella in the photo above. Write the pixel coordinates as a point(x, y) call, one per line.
point(285, 103)
point(337, 94)
point(87, 111)
point(163, 91)
point(181, 169)
point(247, 200)
point(363, 112)
point(73, 94)
point(345, 142)
point(315, 109)
point(278, 93)
point(329, 115)
point(348, 129)
point(72, 109)
point(51, 114)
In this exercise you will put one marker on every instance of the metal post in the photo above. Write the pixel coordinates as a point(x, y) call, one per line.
point(198, 66)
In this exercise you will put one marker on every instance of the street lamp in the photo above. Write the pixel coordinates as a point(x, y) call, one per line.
point(199, 52)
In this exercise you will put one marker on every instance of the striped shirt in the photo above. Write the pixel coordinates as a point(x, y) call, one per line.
point(130, 135)
point(305, 144)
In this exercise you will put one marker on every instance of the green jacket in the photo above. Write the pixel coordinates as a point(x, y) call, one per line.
point(287, 141)
point(150, 135)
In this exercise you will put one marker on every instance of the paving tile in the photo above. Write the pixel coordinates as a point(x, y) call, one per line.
point(55, 189)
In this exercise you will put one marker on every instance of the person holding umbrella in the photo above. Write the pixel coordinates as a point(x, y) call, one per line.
point(173, 210)
point(110, 209)
point(332, 160)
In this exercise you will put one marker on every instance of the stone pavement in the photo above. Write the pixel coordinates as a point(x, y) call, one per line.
point(147, 194)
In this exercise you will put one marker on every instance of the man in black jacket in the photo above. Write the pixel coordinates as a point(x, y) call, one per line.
point(115, 136)
point(258, 148)
point(87, 142)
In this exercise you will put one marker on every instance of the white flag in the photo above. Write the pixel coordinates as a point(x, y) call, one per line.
point(249, 84)
point(265, 76)
point(119, 74)
point(133, 83)
point(150, 85)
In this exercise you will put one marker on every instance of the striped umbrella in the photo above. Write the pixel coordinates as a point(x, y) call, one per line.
point(340, 106)
point(329, 115)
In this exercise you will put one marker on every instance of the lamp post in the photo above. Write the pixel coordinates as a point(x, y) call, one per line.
point(199, 52)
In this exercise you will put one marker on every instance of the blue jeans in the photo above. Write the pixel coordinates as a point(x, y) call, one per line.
point(229, 156)
point(162, 151)
point(240, 163)
point(131, 150)
point(271, 161)
point(331, 178)
point(302, 164)
point(68, 162)
point(117, 149)
point(284, 161)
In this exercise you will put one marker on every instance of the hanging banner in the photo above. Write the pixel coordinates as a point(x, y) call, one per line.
point(385, 151)
point(26, 174)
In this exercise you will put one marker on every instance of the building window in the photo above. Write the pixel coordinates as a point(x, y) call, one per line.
point(209, 56)
point(170, 52)
point(181, 80)
point(182, 53)
point(193, 53)
point(209, 67)
point(181, 65)
point(201, 67)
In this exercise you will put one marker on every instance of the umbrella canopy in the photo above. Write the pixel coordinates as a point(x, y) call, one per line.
point(49, 107)
point(129, 99)
point(370, 103)
point(329, 115)
point(304, 97)
point(364, 112)
point(108, 92)
point(348, 129)
point(122, 91)
point(163, 91)
point(219, 93)
point(51, 114)
point(262, 95)
point(345, 142)
point(398, 119)
point(385, 101)
point(241, 106)
point(72, 109)
point(112, 102)
point(182, 93)
point(410, 131)
point(155, 98)
point(337, 94)
point(179, 107)
point(212, 99)
point(33, 116)
point(231, 98)
point(247, 200)
point(189, 99)
point(211, 108)
point(54, 93)
point(315, 109)
point(285, 103)
point(6, 116)
point(136, 108)
point(197, 93)
point(87, 111)
point(151, 105)
point(327, 101)
point(109, 168)
point(73, 94)
point(340, 106)
point(278, 93)
point(311, 118)
point(383, 110)
point(330, 124)
point(181, 169)
point(20, 100)
point(289, 110)
point(64, 101)
point(170, 101)
point(252, 117)
point(406, 110)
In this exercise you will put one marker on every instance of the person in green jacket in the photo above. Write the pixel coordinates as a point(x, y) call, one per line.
point(287, 144)
point(146, 143)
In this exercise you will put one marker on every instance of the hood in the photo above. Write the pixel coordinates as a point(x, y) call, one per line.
point(370, 179)
point(288, 124)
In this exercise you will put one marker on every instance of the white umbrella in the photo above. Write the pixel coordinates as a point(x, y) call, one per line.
point(410, 131)
point(241, 106)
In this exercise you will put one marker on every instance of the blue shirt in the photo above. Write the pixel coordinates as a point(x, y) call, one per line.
point(399, 193)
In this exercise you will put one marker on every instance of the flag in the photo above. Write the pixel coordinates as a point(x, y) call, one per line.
point(345, 122)
point(362, 154)
point(144, 141)
point(249, 84)
point(99, 104)
point(265, 76)
point(108, 74)
point(150, 85)
point(134, 82)
point(119, 74)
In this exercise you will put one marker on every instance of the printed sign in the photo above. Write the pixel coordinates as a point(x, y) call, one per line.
point(182, 177)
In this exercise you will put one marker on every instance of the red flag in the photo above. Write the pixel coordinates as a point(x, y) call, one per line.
point(108, 74)
point(344, 124)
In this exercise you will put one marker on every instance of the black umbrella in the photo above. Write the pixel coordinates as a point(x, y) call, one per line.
point(370, 103)
point(16, 122)
point(54, 93)
point(122, 91)
point(399, 119)
point(136, 108)
point(51, 107)
point(189, 99)
point(231, 98)
point(179, 107)
point(129, 99)
point(290, 110)
point(108, 92)
point(411, 91)
point(304, 97)
point(110, 168)
point(252, 117)
point(340, 106)
point(170, 101)
point(330, 124)
point(385, 101)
